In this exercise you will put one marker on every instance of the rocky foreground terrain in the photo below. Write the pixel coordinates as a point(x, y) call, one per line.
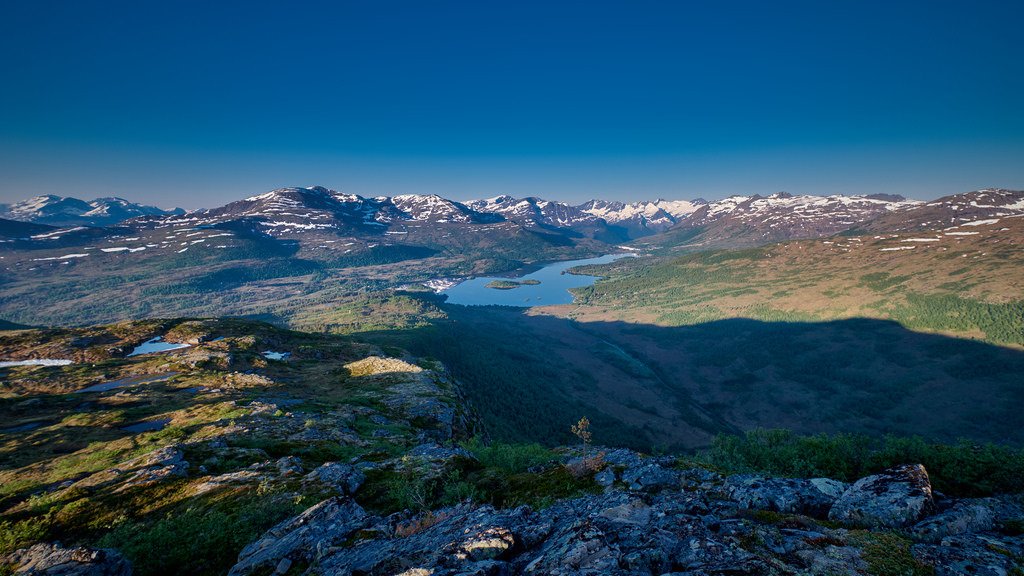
point(650, 518)
point(275, 452)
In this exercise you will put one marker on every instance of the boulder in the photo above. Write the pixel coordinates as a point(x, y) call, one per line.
point(787, 495)
point(895, 498)
point(55, 560)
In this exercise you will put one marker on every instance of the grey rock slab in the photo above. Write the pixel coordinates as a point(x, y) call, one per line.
point(896, 498)
point(964, 517)
point(973, 555)
point(787, 495)
point(303, 538)
point(345, 478)
point(56, 560)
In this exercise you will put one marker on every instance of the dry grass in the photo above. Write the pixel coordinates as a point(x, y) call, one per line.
point(420, 523)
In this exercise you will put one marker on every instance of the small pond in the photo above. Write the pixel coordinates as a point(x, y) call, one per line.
point(129, 381)
point(156, 345)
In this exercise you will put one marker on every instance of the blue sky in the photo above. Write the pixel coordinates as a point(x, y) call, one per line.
point(189, 104)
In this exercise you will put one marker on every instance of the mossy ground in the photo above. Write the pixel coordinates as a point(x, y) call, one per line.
point(218, 401)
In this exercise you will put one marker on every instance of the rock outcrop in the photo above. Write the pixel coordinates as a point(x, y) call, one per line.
point(895, 498)
point(813, 497)
point(655, 519)
point(56, 560)
point(302, 539)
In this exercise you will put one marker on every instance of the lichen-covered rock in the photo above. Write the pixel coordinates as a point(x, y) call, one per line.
point(973, 555)
point(289, 466)
point(344, 478)
point(822, 557)
point(703, 555)
point(621, 457)
point(486, 545)
point(700, 479)
point(303, 538)
point(254, 475)
point(162, 464)
point(605, 477)
point(615, 533)
point(649, 477)
point(437, 453)
point(633, 512)
point(439, 542)
point(626, 532)
point(56, 560)
point(964, 517)
point(895, 498)
point(790, 495)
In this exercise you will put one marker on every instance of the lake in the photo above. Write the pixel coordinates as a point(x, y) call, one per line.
point(553, 287)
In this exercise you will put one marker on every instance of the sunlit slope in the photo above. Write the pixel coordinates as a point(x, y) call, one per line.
point(965, 280)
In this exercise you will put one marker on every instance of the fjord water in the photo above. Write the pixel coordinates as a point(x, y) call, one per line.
point(554, 286)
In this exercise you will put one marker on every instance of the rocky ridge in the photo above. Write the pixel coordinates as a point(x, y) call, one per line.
point(654, 517)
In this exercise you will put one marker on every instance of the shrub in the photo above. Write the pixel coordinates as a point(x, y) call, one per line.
point(15, 535)
point(510, 458)
point(962, 469)
point(199, 539)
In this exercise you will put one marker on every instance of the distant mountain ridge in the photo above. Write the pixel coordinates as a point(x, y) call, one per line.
point(733, 221)
point(66, 211)
point(752, 220)
point(953, 210)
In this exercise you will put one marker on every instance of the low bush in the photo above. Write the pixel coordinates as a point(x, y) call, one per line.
point(961, 469)
point(22, 533)
point(511, 458)
point(199, 539)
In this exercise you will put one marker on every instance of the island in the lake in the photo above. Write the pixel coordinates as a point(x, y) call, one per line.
point(510, 284)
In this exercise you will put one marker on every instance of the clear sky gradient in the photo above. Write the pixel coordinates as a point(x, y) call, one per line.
point(200, 103)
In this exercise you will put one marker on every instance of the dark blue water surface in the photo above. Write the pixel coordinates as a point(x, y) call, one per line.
point(553, 288)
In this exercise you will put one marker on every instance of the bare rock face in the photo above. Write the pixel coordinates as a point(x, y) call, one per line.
point(972, 555)
point(301, 539)
point(963, 517)
point(895, 498)
point(699, 527)
point(55, 560)
point(813, 497)
point(344, 478)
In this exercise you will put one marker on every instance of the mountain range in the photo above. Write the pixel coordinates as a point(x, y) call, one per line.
point(67, 211)
point(431, 220)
